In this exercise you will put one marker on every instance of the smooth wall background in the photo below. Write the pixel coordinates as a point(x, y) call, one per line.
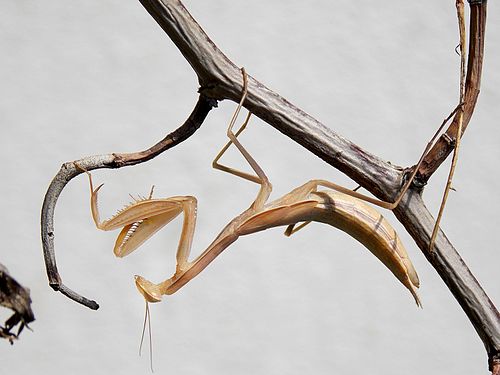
point(88, 77)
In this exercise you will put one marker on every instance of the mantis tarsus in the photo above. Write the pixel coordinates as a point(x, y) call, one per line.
point(342, 209)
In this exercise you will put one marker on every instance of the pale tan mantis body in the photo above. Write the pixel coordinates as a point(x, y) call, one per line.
point(304, 204)
point(342, 209)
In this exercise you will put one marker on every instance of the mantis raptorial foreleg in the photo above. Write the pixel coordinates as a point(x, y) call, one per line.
point(145, 217)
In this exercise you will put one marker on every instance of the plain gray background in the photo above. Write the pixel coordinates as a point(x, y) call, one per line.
point(91, 77)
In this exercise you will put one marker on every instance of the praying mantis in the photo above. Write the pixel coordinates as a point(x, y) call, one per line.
point(157, 213)
point(338, 206)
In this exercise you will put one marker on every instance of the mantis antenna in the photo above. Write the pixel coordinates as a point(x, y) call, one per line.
point(147, 318)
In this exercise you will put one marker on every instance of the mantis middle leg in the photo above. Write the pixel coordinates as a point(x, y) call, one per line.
point(260, 177)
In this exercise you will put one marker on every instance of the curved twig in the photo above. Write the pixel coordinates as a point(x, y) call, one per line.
point(495, 367)
point(69, 171)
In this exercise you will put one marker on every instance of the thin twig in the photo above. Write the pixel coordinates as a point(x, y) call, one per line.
point(445, 145)
point(460, 114)
point(69, 171)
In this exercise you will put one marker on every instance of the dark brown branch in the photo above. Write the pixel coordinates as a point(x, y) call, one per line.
point(484, 316)
point(192, 124)
point(69, 170)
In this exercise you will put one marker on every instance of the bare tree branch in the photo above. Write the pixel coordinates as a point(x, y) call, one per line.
point(445, 145)
point(220, 79)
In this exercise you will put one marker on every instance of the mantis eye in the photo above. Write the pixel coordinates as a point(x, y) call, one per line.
point(150, 291)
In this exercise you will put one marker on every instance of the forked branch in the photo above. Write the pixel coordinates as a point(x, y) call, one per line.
point(220, 79)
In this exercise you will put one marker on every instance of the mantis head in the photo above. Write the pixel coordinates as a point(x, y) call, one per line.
point(151, 292)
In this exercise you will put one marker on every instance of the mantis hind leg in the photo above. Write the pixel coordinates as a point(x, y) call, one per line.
point(404, 188)
point(259, 177)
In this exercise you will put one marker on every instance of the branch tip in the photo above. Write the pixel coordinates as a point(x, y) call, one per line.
point(70, 170)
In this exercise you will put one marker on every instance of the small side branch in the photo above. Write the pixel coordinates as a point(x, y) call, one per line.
point(69, 171)
point(445, 145)
point(200, 112)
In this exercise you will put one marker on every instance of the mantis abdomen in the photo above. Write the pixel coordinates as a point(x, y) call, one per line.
point(356, 218)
